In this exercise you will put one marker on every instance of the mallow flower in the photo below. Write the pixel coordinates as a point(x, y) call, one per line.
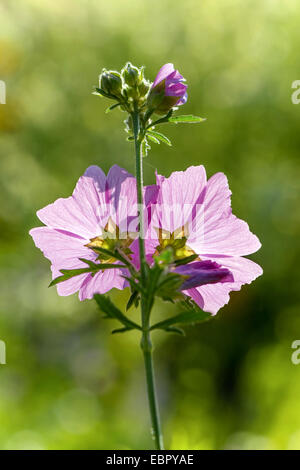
point(102, 212)
point(167, 90)
point(193, 217)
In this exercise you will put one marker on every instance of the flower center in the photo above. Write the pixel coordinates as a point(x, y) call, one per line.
point(176, 241)
point(111, 239)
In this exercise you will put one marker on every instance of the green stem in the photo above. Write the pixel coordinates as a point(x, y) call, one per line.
point(139, 187)
point(146, 339)
point(151, 389)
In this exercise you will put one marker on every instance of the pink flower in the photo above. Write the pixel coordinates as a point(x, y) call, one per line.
point(167, 90)
point(194, 216)
point(102, 211)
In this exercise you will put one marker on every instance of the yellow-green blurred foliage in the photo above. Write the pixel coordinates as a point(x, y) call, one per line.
point(230, 383)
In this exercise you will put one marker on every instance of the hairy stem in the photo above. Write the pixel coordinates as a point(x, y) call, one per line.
point(146, 339)
point(139, 186)
point(151, 390)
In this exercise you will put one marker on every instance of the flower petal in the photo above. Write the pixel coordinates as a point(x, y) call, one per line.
point(218, 231)
point(61, 248)
point(78, 213)
point(212, 297)
point(182, 100)
point(101, 283)
point(122, 198)
point(203, 272)
point(177, 197)
point(98, 175)
point(175, 89)
point(70, 286)
point(165, 70)
point(175, 76)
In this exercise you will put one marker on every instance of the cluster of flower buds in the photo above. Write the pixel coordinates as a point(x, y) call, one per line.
point(133, 92)
point(128, 87)
point(137, 96)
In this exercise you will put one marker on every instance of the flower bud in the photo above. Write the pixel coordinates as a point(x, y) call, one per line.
point(167, 90)
point(111, 82)
point(143, 88)
point(131, 75)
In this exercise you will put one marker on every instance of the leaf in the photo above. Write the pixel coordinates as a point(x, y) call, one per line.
point(161, 120)
point(188, 259)
point(168, 288)
point(121, 330)
point(160, 137)
point(92, 269)
point(108, 307)
point(89, 262)
point(134, 285)
point(183, 318)
point(133, 299)
point(153, 138)
point(189, 118)
point(68, 274)
point(175, 329)
point(110, 108)
point(102, 266)
point(153, 275)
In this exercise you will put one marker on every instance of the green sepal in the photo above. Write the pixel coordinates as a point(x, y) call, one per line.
point(188, 259)
point(165, 258)
point(100, 92)
point(110, 108)
point(168, 288)
point(113, 254)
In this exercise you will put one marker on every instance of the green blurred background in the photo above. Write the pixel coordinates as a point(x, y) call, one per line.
point(230, 383)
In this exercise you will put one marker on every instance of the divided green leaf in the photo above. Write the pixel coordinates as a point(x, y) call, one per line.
point(160, 137)
point(133, 300)
point(153, 138)
point(175, 329)
point(92, 268)
point(183, 318)
point(68, 274)
point(110, 309)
